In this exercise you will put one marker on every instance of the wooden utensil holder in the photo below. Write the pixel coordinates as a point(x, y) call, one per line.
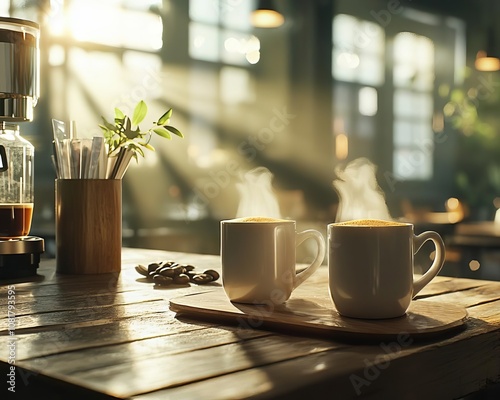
point(88, 225)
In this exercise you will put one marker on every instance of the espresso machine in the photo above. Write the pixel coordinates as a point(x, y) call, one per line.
point(19, 92)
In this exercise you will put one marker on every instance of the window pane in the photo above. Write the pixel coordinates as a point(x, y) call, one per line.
point(235, 14)
point(413, 61)
point(204, 11)
point(403, 103)
point(402, 135)
point(404, 48)
point(404, 74)
point(424, 106)
point(203, 42)
point(371, 70)
point(413, 104)
point(424, 81)
point(104, 23)
point(358, 50)
point(424, 54)
point(343, 31)
point(412, 164)
point(370, 38)
point(344, 65)
point(410, 133)
point(368, 102)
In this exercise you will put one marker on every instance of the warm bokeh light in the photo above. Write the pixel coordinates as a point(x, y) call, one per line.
point(250, 47)
point(253, 57)
point(452, 203)
point(341, 146)
point(267, 19)
point(485, 63)
point(455, 210)
point(474, 265)
point(438, 122)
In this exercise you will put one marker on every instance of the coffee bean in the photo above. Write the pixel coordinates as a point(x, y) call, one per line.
point(162, 280)
point(188, 267)
point(166, 271)
point(201, 279)
point(181, 279)
point(178, 269)
point(214, 274)
point(142, 270)
point(153, 267)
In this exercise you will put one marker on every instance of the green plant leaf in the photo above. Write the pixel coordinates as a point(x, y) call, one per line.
point(164, 118)
point(148, 146)
point(107, 125)
point(131, 134)
point(119, 114)
point(161, 131)
point(140, 111)
point(174, 130)
point(126, 133)
point(119, 122)
point(136, 149)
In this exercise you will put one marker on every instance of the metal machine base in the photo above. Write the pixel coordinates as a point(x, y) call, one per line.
point(20, 257)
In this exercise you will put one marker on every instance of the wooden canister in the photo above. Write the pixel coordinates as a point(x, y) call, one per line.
point(88, 225)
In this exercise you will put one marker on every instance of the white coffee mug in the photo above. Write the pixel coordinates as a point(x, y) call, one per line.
point(371, 265)
point(258, 258)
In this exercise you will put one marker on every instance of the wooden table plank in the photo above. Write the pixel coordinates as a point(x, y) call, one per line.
point(166, 367)
point(367, 371)
point(82, 316)
point(72, 337)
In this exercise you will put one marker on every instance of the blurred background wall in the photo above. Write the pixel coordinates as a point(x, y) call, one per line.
point(391, 81)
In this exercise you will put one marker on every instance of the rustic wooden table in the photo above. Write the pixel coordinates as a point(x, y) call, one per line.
point(92, 337)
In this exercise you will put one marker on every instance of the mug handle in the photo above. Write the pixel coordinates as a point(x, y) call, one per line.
point(320, 255)
point(437, 264)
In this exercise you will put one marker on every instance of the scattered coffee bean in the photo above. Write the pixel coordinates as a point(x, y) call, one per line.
point(153, 267)
point(166, 271)
point(170, 272)
point(162, 280)
point(181, 279)
point(214, 274)
point(152, 273)
point(142, 270)
point(188, 267)
point(201, 279)
point(178, 269)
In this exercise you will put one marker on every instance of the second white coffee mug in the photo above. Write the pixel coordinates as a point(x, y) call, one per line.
point(371, 267)
point(259, 259)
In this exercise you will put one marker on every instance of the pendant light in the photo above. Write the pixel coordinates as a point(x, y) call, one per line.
point(266, 15)
point(489, 58)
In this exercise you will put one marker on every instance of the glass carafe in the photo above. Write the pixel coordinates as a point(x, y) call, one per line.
point(16, 182)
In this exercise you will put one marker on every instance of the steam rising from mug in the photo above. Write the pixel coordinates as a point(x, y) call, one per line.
point(256, 195)
point(360, 196)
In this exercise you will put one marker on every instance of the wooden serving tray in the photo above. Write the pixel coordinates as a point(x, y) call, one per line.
point(316, 314)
